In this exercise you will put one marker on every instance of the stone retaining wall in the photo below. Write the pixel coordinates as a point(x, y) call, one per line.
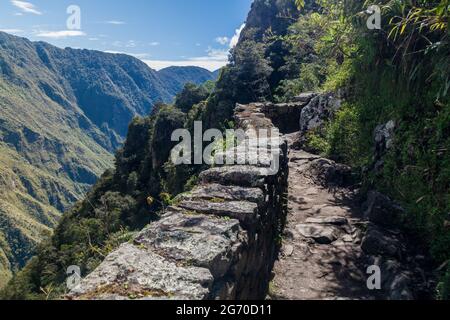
point(219, 241)
point(284, 116)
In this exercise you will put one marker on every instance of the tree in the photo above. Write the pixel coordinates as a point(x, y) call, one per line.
point(190, 96)
point(251, 71)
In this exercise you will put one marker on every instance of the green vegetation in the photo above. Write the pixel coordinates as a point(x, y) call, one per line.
point(190, 96)
point(61, 119)
point(123, 200)
point(117, 205)
point(45, 168)
point(400, 73)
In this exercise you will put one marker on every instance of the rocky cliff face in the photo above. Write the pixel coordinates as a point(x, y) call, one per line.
point(265, 15)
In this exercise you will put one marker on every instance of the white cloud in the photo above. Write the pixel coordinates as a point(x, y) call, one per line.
point(215, 55)
point(114, 52)
point(140, 55)
point(127, 44)
point(222, 40)
point(234, 41)
point(136, 55)
point(12, 31)
point(154, 44)
point(131, 44)
point(60, 34)
point(115, 22)
point(215, 59)
point(206, 64)
point(26, 7)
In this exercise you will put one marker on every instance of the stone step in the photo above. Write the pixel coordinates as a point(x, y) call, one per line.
point(198, 240)
point(244, 211)
point(244, 176)
point(227, 193)
point(262, 159)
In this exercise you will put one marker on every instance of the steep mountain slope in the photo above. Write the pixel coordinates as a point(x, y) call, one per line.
point(177, 77)
point(319, 50)
point(63, 112)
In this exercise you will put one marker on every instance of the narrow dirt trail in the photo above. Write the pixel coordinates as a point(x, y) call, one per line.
point(321, 256)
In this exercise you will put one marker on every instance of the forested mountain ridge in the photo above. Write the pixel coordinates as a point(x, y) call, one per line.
point(176, 77)
point(392, 127)
point(63, 113)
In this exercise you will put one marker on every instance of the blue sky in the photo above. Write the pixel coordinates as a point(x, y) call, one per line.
point(160, 32)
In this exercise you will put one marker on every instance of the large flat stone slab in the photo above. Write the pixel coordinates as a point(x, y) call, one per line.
point(244, 176)
point(244, 211)
point(252, 157)
point(321, 234)
point(229, 193)
point(197, 240)
point(133, 272)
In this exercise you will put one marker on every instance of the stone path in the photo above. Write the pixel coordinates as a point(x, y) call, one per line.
point(220, 240)
point(321, 256)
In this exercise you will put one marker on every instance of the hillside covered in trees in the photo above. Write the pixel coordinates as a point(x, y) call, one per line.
point(399, 74)
point(63, 114)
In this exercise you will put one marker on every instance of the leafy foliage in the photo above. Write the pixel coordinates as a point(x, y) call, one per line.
point(61, 120)
point(190, 96)
point(398, 73)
